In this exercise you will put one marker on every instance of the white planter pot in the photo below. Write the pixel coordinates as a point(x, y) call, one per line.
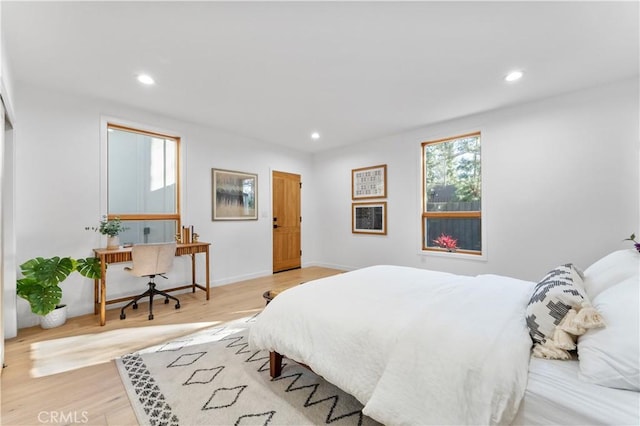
point(55, 318)
point(113, 243)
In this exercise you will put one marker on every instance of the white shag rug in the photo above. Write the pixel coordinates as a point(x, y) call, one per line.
point(213, 377)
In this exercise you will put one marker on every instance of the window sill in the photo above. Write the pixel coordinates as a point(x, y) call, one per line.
point(453, 255)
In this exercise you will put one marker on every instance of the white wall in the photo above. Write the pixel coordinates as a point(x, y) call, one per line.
point(560, 184)
point(58, 181)
point(9, 264)
point(8, 323)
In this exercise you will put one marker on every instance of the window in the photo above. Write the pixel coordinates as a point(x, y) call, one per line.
point(451, 195)
point(143, 183)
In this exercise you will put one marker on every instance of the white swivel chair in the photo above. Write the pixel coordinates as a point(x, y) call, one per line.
point(150, 260)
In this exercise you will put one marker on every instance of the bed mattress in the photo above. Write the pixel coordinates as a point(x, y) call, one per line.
point(431, 347)
point(556, 395)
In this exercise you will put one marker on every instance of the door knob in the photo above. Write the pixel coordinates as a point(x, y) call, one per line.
point(275, 226)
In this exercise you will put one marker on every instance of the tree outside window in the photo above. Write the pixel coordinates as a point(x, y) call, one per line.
point(452, 195)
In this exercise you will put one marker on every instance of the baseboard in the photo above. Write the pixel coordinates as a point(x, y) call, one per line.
point(329, 265)
point(237, 278)
point(33, 320)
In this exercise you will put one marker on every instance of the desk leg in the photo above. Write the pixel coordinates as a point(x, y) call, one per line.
point(103, 291)
point(207, 271)
point(193, 272)
point(96, 297)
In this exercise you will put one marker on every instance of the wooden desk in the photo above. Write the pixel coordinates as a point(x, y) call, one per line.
point(124, 255)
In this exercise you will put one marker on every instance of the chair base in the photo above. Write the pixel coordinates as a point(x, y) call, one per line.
point(149, 293)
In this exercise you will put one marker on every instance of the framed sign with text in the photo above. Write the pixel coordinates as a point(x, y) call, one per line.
point(369, 182)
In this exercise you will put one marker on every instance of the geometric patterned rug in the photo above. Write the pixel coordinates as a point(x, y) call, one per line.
point(212, 377)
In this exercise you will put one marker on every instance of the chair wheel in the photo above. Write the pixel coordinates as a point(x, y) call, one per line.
point(177, 306)
point(166, 301)
point(122, 316)
point(135, 306)
point(150, 317)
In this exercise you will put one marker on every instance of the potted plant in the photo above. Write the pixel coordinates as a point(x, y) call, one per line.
point(446, 242)
point(40, 285)
point(111, 228)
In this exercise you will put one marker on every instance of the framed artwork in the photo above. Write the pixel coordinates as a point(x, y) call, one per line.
point(369, 182)
point(234, 195)
point(369, 218)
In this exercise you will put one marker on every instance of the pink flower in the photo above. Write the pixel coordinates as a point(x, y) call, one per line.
point(446, 242)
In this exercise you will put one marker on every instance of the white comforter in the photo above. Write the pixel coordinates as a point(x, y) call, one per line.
point(414, 346)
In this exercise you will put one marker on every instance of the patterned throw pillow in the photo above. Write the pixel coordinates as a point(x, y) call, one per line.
point(554, 314)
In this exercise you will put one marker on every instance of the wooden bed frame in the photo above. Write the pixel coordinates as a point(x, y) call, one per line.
point(275, 364)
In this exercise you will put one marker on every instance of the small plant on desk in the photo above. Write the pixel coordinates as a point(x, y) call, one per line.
point(111, 228)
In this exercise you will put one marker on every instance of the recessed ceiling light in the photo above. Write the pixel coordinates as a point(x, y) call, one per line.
point(514, 76)
point(315, 136)
point(146, 79)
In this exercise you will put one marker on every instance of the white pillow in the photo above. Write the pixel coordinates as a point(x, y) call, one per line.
point(611, 270)
point(610, 356)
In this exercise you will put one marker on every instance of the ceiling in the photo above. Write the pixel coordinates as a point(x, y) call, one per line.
point(353, 71)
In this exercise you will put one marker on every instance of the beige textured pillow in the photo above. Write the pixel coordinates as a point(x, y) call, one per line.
point(559, 311)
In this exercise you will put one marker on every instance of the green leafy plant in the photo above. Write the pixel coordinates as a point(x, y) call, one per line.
point(108, 227)
point(632, 238)
point(42, 276)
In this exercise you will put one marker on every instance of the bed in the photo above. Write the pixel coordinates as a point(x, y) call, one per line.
point(416, 346)
point(555, 394)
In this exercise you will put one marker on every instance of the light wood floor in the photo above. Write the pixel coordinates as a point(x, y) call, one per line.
point(95, 395)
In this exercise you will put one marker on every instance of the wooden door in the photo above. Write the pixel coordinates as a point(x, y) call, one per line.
point(286, 221)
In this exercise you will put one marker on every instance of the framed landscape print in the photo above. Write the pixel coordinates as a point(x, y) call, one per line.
point(234, 195)
point(369, 182)
point(369, 218)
